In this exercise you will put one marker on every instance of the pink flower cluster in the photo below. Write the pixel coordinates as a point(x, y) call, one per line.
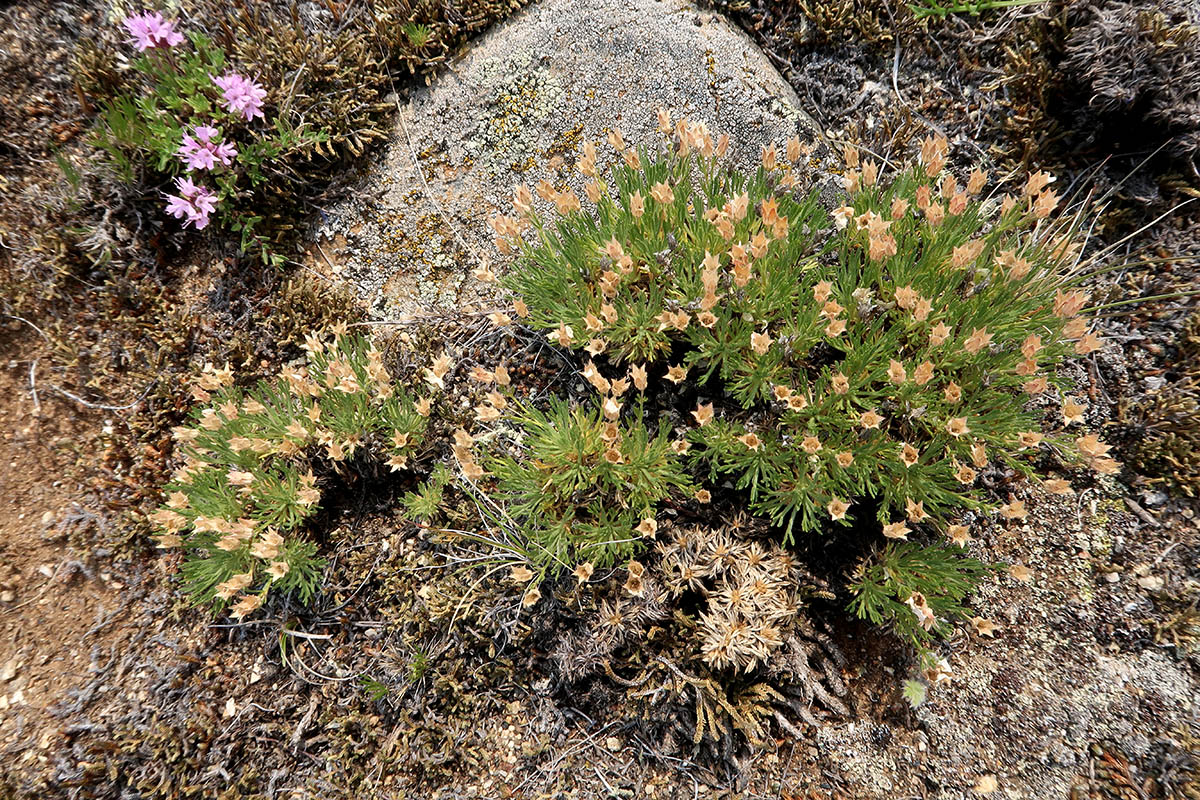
point(199, 151)
point(151, 31)
point(241, 94)
point(193, 202)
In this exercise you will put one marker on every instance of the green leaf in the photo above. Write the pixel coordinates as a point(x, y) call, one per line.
point(914, 692)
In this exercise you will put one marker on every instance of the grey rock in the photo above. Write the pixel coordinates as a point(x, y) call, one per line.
point(515, 109)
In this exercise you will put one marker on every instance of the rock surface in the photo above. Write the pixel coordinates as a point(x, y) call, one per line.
point(515, 109)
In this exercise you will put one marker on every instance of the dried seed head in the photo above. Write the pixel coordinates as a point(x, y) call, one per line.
point(915, 511)
point(1014, 509)
point(959, 534)
point(850, 155)
point(1072, 412)
point(1029, 439)
point(870, 419)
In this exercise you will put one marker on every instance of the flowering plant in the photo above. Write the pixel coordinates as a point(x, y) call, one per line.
point(860, 368)
point(248, 481)
point(192, 114)
point(583, 487)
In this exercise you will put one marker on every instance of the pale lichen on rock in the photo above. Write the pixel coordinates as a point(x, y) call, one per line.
point(515, 108)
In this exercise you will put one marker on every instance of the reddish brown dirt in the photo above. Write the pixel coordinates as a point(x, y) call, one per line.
point(55, 603)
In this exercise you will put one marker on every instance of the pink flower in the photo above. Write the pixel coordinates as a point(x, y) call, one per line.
point(151, 31)
point(242, 95)
point(199, 151)
point(194, 202)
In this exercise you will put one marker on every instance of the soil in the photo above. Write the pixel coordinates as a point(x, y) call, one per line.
point(52, 598)
point(111, 687)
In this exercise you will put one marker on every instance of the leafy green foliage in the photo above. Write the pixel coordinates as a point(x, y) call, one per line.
point(876, 357)
point(914, 692)
point(142, 128)
point(425, 504)
point(418, 666)
point(572, 277)
point(375, 689)
point(583, 488)
point(248, 485)
point(916, 591)
point(417, 35)
point(934, 8)
point(891, 351)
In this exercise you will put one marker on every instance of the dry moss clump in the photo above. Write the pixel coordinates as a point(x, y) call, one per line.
point(1165, 427)
point(784, 26)
point(1082, 77)
point(709, 638)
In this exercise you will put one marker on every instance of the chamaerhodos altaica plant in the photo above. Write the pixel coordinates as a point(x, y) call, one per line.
point(869, 361)
point(248, 482)
point(583, 486)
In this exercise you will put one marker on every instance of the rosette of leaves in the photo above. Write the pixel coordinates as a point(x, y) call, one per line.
point(238, 504)
point(581, 487)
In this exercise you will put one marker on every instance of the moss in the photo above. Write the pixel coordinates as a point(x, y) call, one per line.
point(874, 24)
point(1079, 78)
point(1163, 430)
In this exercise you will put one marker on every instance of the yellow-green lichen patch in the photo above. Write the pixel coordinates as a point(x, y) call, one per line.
point(508, 135)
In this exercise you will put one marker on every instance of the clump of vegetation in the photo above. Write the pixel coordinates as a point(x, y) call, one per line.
point(1164, 428)
point(738, 652)
point(249, 482)
point(166, 124)
point(880, 362)
point(1140, 62)
point(1082, 74)
point(324, 79)
point(935, 8)
point(582, 486)
point(819, 23)
point(859, 369)
point(917, 591)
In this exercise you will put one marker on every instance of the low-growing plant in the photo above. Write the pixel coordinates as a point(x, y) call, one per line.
point(873, 361)
point(712, 630)
point(249, 480)
point(583, 487)
point(425, 504)
point(917, 591)
point(934, 8)
point(192, 119)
